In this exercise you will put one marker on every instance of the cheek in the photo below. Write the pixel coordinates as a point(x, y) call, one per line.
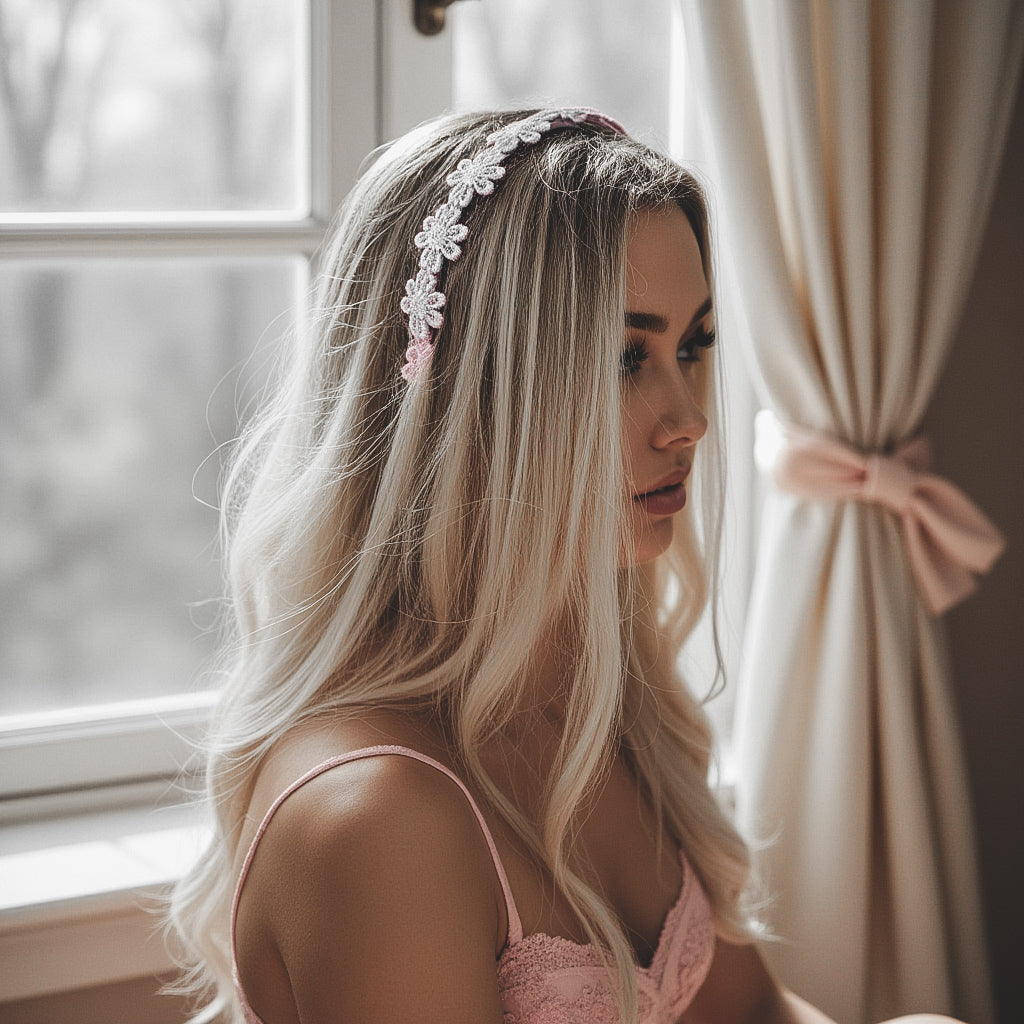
point(633, 439)
point(645, 538)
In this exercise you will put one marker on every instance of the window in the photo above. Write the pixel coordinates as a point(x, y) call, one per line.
point(167, 172)
point(85, 773)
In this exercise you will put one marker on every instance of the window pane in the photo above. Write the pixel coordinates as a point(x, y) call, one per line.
point(161, 105)
point(606, 54)
point(118, 381)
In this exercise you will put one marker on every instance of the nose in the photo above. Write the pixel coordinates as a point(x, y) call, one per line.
point(679, 416)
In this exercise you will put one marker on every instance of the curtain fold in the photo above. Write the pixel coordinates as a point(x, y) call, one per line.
point(856, 146)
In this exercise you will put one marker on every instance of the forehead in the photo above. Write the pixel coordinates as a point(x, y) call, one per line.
point(663, 264)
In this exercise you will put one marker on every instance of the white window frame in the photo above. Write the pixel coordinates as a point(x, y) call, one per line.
point(94, 774)
point(371, 77)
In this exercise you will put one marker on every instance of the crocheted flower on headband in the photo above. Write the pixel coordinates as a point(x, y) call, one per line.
point(423, 305)
point(440, 237)
point(442, 231)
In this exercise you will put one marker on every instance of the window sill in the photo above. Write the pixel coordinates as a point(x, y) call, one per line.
point(80, 895)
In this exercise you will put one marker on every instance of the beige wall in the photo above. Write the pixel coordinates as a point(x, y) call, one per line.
point(977, 429)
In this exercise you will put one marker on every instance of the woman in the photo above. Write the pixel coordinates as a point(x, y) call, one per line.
point(455, 774)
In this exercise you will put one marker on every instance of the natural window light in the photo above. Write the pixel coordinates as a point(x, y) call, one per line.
point(166, 177)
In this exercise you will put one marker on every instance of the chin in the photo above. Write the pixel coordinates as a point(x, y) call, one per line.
point(652, 540)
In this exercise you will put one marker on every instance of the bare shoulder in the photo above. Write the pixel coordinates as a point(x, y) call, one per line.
point(373, 889)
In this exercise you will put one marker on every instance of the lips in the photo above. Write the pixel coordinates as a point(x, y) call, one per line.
point(667, 496)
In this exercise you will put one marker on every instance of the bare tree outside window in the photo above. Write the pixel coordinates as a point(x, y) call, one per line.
point(121, 374)
point(113, 105)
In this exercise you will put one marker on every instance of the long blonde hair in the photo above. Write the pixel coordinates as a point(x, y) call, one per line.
point(392, 544)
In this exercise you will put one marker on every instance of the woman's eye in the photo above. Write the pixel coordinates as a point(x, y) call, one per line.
point(633, 357)
point(689, 351)
point(636, 353)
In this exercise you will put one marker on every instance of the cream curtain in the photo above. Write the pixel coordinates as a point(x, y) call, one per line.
point(855, 147)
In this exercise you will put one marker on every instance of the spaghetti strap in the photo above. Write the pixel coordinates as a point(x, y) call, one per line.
point(515, 926)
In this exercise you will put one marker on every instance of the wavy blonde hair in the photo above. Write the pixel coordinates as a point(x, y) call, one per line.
point(392, 544)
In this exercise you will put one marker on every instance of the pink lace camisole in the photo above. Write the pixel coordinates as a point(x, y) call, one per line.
point(546, 979)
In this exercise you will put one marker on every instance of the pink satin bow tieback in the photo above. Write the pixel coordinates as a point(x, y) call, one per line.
point(949, 539)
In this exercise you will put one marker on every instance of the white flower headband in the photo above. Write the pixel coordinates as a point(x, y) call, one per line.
point(439, 240)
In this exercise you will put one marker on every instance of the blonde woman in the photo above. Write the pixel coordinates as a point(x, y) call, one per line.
point(455, 774)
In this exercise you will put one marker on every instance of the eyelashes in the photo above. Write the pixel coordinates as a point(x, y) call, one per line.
point(633, 357)
point(636, 353)
point(704, 338)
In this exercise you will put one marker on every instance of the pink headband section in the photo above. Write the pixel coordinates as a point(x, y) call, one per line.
point(442, 235)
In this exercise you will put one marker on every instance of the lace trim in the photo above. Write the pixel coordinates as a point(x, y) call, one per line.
point(547, 979)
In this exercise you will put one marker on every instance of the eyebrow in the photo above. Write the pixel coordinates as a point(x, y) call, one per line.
point(655, 323)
